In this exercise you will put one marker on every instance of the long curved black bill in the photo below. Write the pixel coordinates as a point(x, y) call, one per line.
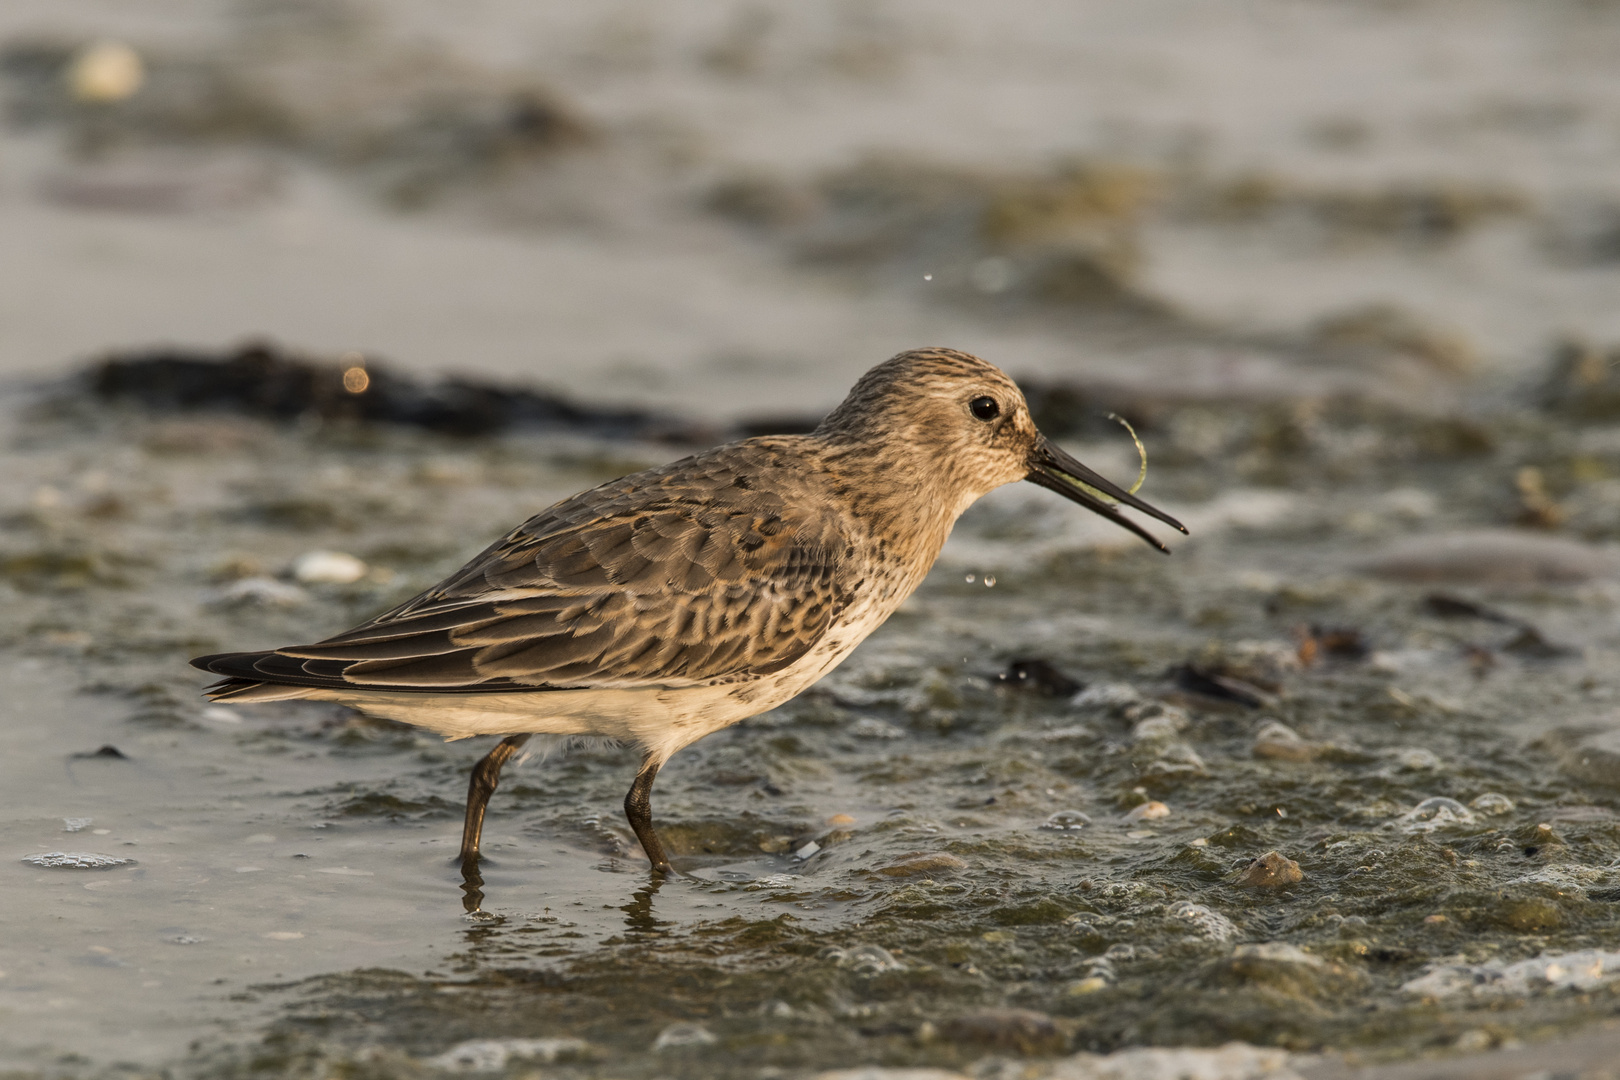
point(1057, 471)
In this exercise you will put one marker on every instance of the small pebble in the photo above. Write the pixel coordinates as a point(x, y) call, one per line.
point(328, 568)
point(840, 820)
point(923, 863)
point(1273, 870)
point(1149, 811)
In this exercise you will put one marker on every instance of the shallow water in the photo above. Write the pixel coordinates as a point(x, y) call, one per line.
point(867, 868)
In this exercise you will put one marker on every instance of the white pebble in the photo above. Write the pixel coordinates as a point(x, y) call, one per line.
point(328, 568)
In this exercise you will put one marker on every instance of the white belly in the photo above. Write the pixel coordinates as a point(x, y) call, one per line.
point(659, 720)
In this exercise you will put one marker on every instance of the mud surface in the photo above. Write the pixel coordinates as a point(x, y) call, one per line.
point(1303, 795)
point(1338, 781)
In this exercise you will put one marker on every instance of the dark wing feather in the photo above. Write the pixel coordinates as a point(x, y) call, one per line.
point(674, 577)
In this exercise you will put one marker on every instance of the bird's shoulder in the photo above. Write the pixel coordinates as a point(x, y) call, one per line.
point(750, 512)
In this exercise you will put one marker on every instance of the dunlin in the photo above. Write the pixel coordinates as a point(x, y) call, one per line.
point(679, 600)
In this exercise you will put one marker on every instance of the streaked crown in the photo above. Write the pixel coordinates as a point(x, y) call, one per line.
point(948, 422)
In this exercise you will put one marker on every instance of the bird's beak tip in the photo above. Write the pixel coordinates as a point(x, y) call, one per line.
point(1058, 471)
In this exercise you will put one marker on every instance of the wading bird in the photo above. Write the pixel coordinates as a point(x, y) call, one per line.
point(676, 601)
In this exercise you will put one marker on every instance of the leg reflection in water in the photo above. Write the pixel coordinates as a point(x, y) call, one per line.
point(639, 918)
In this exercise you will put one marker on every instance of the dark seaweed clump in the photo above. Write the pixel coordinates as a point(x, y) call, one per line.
point(264, 380)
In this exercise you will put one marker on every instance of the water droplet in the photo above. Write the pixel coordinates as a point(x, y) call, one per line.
point(970, 579)
point(928, 277)
point(989, 581)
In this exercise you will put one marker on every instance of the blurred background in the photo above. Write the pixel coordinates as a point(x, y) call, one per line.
point(732, 206)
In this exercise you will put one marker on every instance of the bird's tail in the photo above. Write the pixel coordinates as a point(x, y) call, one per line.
point(243, 691)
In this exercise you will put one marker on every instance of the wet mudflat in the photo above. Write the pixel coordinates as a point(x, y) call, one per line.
point(1338, 781)
point(1302, 784)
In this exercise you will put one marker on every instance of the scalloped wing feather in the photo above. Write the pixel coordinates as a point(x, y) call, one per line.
point(679, 576)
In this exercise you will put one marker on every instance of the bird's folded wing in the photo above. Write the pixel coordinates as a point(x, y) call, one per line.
point(676, 593)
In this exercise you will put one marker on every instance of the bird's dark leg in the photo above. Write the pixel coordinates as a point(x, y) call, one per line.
point(486, 776)
point(638, 808)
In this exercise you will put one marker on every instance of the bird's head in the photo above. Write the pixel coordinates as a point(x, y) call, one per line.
point(970, 432)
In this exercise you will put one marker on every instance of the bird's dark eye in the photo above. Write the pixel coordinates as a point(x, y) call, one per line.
point(985, 408)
